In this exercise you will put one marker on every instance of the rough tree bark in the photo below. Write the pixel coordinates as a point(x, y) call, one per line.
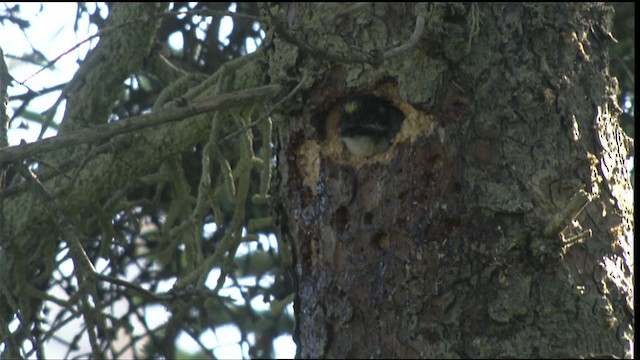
point(499, 222)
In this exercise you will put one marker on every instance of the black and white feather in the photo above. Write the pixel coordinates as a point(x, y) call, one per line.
point(368, 124)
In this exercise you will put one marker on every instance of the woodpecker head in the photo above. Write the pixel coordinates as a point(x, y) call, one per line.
point(368, 124)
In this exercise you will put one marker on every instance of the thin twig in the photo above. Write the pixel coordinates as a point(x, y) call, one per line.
point(52, 62)
point(268, 113)
point(209, 12)
point(102, 32)
point(131, 286)
point(57, 213)
point(412, 42)
point(374, 57)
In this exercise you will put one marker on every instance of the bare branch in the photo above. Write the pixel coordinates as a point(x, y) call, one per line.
point(99, 133)
point(413, 40)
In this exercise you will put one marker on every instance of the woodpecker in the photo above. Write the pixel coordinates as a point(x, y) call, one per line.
point(368, 124)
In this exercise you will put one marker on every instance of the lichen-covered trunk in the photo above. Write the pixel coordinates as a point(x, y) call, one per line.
point(498, 223)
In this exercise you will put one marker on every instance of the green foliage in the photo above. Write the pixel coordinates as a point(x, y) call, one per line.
point(199, 221)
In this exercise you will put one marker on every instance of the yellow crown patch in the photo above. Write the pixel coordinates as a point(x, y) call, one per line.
point(350, 107)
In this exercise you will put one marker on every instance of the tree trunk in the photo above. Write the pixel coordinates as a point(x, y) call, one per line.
point(498, 223)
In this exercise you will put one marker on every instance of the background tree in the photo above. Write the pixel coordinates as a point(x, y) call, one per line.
point(495, 225)
point(103, 201)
